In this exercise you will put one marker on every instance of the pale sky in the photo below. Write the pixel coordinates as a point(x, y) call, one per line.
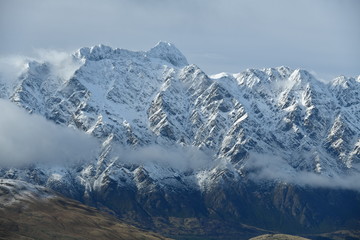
point(322, 36)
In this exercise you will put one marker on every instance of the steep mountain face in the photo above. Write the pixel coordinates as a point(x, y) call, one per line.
point(232, 146)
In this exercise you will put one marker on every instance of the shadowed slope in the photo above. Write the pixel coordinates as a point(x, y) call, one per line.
point(28, 215)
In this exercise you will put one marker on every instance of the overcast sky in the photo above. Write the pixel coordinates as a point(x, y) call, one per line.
point(218, 35)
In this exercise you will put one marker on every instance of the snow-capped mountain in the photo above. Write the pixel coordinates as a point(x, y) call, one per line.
point(138, 103)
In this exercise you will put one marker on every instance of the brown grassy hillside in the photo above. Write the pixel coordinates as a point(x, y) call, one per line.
point(61, 218)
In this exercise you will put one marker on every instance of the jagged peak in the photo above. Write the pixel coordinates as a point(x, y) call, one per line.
point(276, 78)
point(277, 69)
point(340, 80)
point(221, 75)
point(267, 73)
point(194, 71)
point(301, 75)
point(164, 47)
point(282, 71)
point(168, 52)
point(35, 67)
point(192, 68)
point(283, 68)
point(101, 48)
point(162, 50)
point(277, 73)
point(94, 53)
point(344, 82)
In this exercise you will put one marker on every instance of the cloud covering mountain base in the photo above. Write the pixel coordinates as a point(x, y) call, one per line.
point(28, 139)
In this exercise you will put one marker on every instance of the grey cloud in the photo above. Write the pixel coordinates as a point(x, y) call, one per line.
point(28, 139)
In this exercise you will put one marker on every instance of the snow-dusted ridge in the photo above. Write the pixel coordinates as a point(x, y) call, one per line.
point(15, 191)
point(156, 103)
point(162, 50)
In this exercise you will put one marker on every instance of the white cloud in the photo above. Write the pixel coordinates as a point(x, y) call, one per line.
point(62, 64)
point(29, 139)
point(179, 158)
point(11, 67)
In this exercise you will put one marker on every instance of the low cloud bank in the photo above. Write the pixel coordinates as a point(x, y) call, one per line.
point(28, 139)
point(179, 158)
point(262, 167)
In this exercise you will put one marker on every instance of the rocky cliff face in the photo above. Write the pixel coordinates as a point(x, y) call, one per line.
point(265, 147)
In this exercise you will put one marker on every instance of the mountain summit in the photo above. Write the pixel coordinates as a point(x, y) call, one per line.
point(178, 144)
point(168, 52)
point(163, 50)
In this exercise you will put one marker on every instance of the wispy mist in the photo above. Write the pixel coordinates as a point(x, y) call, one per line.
point(62, 65)
point(28, 139)
point(263, 167)
point(177, 157)
point(11, 67)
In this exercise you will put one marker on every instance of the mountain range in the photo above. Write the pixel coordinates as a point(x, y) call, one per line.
point(183, 153)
